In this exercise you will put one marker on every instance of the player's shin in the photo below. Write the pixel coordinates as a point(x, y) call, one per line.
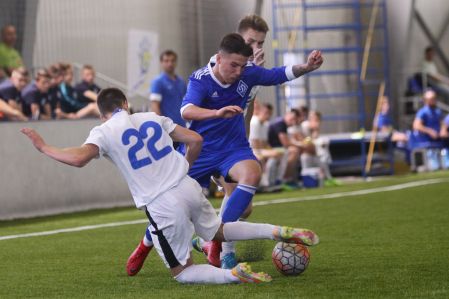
point(237, 231)
point(238, 202)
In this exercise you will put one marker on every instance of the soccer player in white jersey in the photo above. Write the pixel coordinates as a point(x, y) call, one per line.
point(253, 29)
point(140, 145)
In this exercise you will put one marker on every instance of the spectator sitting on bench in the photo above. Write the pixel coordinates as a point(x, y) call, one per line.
point(35, 97)
point(10, 97)
point(385, 123)
point(427, 123)
point(70, 107)
point(87, 90)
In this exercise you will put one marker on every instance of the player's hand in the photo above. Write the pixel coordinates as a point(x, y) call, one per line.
point(315, 60)
point(228, 111)
point(35, 138)
point(433, 134)
point(259, 57)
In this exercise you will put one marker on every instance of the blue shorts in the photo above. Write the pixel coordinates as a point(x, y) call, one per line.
point(218, 164)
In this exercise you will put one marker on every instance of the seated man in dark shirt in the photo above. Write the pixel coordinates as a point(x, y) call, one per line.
point(54, 95)
point(87, 90)
point(278, 138)
point(70, 106)
point(10, 98)
point(35, 97)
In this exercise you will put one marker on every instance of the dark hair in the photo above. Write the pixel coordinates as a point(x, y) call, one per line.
point(268, 106)
point(428, 49)
point(296, 112)
point(55, 70)
point(65, 67)
point(42, 73)
point(110, 99)
point(88, 67)
point(317, 113)
point(233, 43)
point(168, 53)
point(252, 22)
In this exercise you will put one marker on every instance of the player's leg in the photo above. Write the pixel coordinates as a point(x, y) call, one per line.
point(208, 226)
point(227, 256)
point(172, 229)
point(137, 258)
point(247, 173)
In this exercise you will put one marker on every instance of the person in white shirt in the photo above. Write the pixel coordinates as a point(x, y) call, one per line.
point(432, 77)
point(141, 146)
point(270, 158)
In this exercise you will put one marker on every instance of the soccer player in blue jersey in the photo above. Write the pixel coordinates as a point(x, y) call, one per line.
point(215, 100)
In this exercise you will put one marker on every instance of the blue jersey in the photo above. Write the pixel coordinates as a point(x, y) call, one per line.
point(206, 91)
point(384, 120)
point(430, 117)
point(169, 93)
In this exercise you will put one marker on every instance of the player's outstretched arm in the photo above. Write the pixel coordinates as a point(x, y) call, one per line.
point(74, 156)
point(193, 112)
point(193, 141)
point(314, 61)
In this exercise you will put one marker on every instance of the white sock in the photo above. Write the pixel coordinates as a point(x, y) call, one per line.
point(236, 231)
point(226, 247)
point(206, 274)
point(147, 242)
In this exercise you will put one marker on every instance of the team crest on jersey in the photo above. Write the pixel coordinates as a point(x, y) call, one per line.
point(242, 88)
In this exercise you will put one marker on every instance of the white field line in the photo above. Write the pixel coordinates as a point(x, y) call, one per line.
point(258, 203)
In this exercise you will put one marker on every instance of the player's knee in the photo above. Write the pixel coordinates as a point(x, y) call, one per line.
point(219, 235)
point(251, 178)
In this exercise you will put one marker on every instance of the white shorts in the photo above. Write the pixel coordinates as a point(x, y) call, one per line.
point(175, 215)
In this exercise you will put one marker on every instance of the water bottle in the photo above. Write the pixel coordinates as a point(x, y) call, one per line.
point(433, 160)
point(444, 153)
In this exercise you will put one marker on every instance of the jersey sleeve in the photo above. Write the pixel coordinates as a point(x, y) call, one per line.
point(156, 91)
point(196, 93)
point(96, 137)
point(274, 76)
point(30, 98)
point(167, 124)
point(421, 115)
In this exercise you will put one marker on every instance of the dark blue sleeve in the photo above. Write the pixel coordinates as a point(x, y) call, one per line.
point(196, 92)
point(30, 98)
point(267, 77)
point(8, 94)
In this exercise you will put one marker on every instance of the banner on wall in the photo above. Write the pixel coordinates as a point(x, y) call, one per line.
point(143, 61)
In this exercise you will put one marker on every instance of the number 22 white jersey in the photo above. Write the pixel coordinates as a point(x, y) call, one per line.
point(140, 146)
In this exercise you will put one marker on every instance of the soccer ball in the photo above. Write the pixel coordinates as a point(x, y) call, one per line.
point(290, 259)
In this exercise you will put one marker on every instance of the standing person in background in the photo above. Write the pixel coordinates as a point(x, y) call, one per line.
point(36, 103)
point(168, 89)
point(87, 90)
point(10, 97)
point(433, 78)
point(9, 56)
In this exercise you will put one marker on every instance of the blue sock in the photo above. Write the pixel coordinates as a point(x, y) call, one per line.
point(238, 202)
point(147, 240)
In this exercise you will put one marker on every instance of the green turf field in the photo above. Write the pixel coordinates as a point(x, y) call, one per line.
point(385, 244)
